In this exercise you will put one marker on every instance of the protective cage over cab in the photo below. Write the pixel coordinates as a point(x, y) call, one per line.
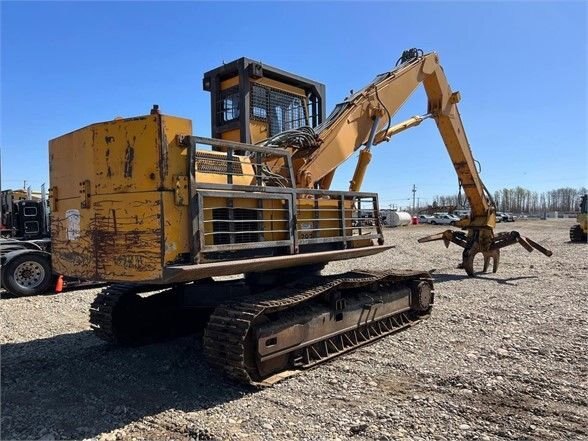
point(250, 101)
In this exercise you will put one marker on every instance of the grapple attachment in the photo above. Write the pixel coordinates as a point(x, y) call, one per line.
point(483, 240)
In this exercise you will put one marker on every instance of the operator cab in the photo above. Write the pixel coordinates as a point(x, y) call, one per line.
point(251, 101)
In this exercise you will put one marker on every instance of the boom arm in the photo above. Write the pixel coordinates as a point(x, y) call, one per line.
point(364, 119)
point(348, 127)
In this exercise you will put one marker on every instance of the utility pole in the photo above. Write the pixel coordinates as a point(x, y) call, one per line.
point(413, 198)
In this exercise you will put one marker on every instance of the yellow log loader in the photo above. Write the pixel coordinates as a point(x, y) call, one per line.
point(579, 232)
point(162, 215)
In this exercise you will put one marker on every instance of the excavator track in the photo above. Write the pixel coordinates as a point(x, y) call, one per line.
point(119, 315)
point(101, 317)
point(272, 333)
point(232, 342)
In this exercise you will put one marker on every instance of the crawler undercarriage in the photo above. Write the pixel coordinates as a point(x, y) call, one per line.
point(260, 333)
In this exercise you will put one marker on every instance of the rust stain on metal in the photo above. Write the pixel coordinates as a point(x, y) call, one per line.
point(109, 171)
point(132, 261)
point(114, 220)
point(116, 242)
point(77, 258)
point(163, 145)
point(113, 247)
point(129, 156)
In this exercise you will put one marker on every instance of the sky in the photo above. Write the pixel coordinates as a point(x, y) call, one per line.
point(520, 67)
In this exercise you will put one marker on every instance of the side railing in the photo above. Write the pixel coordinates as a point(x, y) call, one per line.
point(325, 216)
point(254, 208)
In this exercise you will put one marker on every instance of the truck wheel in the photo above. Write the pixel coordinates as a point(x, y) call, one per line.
point(27, 275)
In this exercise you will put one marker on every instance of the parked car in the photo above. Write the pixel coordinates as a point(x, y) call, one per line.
point(444, 219)
point(462, 214)
point(508, 217)
point(502, 216)
point(425, 218)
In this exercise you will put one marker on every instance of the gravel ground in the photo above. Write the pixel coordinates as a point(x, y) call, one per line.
point(504, 356)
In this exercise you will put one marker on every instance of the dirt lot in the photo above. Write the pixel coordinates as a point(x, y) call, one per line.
point(503, 356)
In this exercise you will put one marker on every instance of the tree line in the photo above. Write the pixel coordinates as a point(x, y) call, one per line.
point(521, 200)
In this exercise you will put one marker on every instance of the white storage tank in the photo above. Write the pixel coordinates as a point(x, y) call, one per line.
point(398, 219)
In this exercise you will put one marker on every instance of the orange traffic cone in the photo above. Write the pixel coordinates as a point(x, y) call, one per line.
point(59, 284)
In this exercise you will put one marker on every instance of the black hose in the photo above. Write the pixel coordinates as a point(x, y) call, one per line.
point(385, 108)
point(409, 55)
point(303, 137)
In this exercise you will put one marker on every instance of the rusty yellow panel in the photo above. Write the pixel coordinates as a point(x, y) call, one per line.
point(117, 156)
point(107, 222)
point(71, 161)
point(176, 224)
point(124, 155)
point(176, 219)
point(85, 193)
point(71, 240)
point(127, 155)
point(174, 158)
point(120, 239)
point(181, 190)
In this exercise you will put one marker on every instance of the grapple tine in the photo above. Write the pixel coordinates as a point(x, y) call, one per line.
point(468, 262)
point(432, 237)
point(495, 256)
point(539, 248)
point(469, 255)
point(447, 237)
point(486, 262)
point(495, 261)
point(524, 243)
point(479, 240)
